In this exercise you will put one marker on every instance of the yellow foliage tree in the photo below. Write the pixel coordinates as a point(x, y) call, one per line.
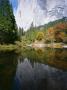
point(40, 36)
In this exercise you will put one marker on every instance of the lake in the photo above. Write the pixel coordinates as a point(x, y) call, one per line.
point(34, 69)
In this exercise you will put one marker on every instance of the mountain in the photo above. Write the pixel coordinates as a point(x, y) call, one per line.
point(39, 12)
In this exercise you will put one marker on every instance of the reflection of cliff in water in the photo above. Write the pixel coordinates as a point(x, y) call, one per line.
point(8, 62)
point(53, 57)
point(37, 76)
point(40, 69)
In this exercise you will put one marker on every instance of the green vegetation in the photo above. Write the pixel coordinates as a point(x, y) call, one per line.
point(8, 28)
point(53, 57)
point(8, 64)
point(40, 36)
point(53, 32)
point(9, 47)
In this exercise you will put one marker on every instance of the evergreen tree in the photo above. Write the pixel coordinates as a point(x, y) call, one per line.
point(8, 30)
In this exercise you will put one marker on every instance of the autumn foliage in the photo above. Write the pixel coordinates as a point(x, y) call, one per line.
point(60, 26)
point(57, 32)
point(40, 36)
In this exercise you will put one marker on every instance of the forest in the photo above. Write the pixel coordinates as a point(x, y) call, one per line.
point(53, 32)
point(8, 27)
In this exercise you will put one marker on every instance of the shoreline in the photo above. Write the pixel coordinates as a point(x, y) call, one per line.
point(12, 47)
point(54, 45)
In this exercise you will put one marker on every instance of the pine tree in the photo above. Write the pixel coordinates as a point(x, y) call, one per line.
point(8, 30)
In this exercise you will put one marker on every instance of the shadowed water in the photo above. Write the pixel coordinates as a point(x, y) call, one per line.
point(34, 69)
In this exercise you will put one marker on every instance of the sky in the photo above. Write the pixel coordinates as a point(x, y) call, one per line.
point(38, 11)
point(14, 4)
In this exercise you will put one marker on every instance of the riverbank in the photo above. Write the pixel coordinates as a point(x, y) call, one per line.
point(12, 47)
point(9, 47)
point(20, 45)
point(51, 45)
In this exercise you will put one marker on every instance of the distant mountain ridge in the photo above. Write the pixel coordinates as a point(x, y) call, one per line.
point(52, 23)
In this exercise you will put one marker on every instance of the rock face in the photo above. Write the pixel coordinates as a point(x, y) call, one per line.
point(39, 12)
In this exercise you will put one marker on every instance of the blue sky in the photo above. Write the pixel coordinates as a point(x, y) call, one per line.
point(14, 4)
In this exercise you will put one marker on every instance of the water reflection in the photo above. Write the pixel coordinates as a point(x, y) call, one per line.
point(39, 77)
point(53, 57)
point(34, 69)
point(8, 63)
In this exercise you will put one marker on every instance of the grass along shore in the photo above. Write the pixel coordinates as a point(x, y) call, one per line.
point(19, 45)
point(9, 47)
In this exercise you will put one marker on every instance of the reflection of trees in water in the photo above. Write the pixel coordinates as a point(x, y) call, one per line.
point(60, 54)
point(8, 62)
point(40, 76)
point(54, 57)
point(59, 60)
point(33, 74)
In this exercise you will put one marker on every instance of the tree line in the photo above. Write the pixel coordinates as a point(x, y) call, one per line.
point(8, 27)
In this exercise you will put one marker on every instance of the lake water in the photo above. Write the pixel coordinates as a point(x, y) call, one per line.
point(34, 69)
